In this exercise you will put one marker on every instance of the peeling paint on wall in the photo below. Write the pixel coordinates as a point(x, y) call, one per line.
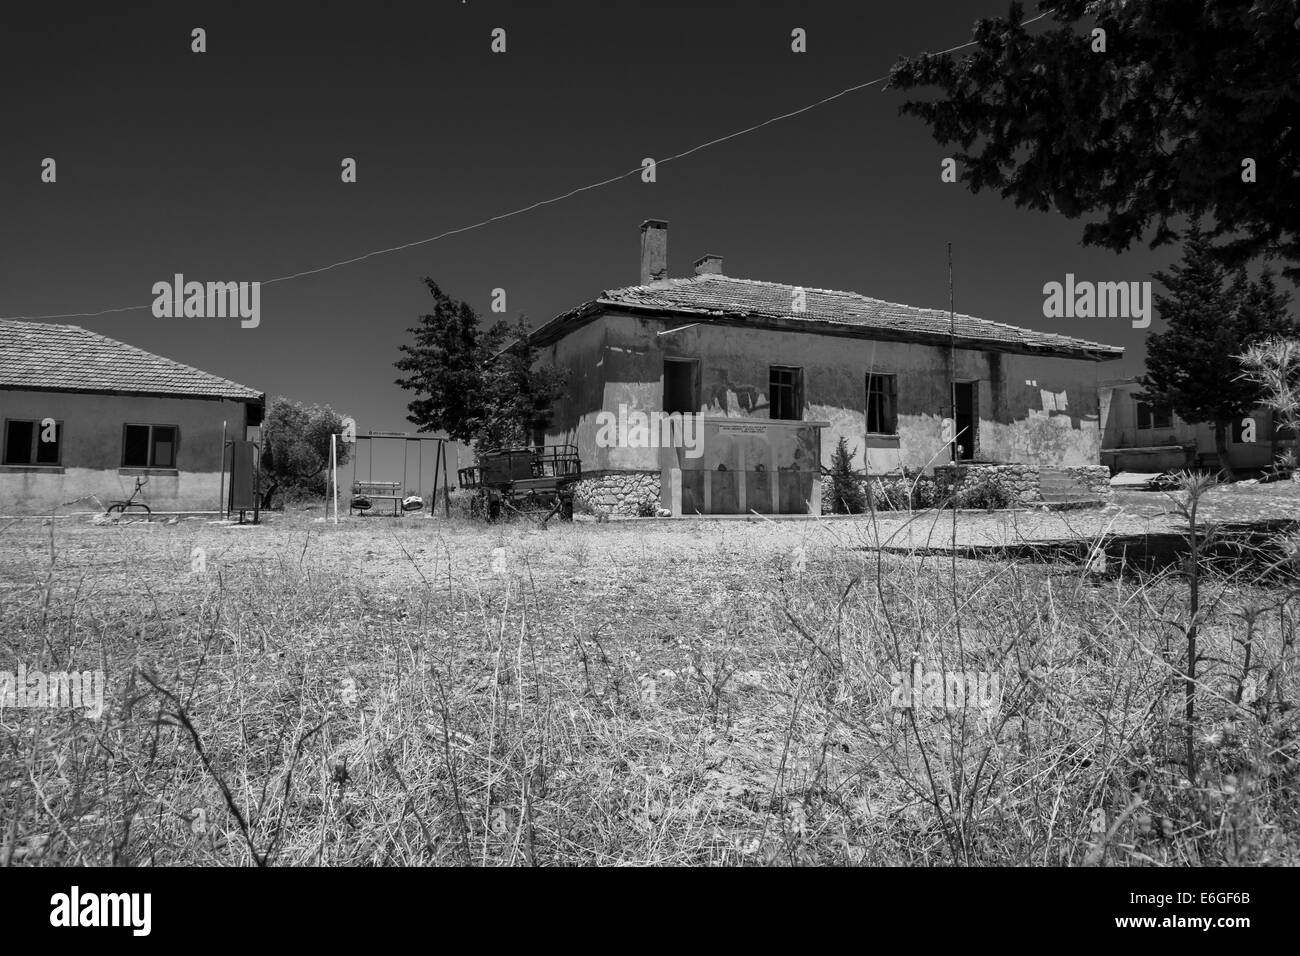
point(619, 359)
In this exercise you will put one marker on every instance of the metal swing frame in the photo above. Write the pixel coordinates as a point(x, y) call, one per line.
point(395, 490)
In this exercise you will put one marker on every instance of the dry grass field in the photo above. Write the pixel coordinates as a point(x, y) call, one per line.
point(418, 691)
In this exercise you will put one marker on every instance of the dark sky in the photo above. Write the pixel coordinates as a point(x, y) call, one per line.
point(225, 166)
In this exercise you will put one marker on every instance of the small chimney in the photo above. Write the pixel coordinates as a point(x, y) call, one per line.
point(654, 251)
point(708, 266)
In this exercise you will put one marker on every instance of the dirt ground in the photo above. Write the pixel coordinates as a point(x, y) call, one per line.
point(641, 691)
point(107, 558)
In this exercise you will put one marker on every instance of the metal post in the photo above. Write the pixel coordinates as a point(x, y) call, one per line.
point(334, 473)
point(221, 500)
point(446, 487)
point(437, 461)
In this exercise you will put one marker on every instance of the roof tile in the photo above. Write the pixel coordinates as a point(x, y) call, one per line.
point(718, 295)
point(41, 355)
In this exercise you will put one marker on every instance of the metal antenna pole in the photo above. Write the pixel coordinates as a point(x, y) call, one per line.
point(952, 356)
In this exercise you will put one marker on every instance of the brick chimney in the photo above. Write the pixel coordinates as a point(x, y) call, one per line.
point(708, 266)
point(654, 251)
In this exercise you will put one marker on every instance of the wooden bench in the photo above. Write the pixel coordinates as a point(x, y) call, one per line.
point(385, 490)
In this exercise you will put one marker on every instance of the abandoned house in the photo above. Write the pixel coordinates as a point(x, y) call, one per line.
point(85, 416)
point(779, 373)
point(1140, 437)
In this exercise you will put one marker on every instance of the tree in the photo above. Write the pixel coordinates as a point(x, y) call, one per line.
point(1158, 124)
point(847, 496)
point(518, 394)
point(1213, 315)
point(480, 386)
point(296, 448)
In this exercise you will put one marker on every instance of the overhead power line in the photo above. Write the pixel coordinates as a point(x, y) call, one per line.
point(541, 202)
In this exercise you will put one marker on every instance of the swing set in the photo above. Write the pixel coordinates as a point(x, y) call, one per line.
point(404, 499)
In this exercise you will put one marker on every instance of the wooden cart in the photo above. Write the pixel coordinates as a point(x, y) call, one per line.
point(536, 483)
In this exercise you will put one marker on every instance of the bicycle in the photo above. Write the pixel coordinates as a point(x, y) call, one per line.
point(121, 506)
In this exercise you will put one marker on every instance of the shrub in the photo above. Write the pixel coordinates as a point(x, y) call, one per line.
point(847, 496)
point(296, 451)
point(902, 492)
point(460, 500)
point(925, 493)
point(987, 493)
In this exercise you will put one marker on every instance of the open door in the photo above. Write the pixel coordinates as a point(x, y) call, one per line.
point(965, 418)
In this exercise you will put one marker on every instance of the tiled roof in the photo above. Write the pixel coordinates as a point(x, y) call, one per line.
point(38, 355)
point(712, 295)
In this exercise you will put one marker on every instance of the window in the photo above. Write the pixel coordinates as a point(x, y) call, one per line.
point(149, 446)
point(31, 443)
point(680, 393)
point(785, 393)
point(1150, 416)
point(882, 400)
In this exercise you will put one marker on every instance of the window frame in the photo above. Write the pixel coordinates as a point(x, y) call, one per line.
point(889, 402)
point(34, 445)
point(693, 364)
point(151, 443)
point(1153, 415)
point(793, 388)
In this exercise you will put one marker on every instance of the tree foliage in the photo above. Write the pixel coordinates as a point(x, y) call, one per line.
point(478, 385)
point(1273, 365)
point(847, 496)
point(296, 448)
point(1213, 314)
point(1155, 127)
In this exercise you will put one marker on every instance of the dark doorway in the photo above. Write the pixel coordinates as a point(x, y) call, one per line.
point(965, 419)
point(679, 386)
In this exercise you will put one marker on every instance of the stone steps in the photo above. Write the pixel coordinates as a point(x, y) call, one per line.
point(1061, 491)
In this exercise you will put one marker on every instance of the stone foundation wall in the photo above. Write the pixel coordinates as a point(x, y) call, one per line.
point(828, 503)
point(622, 492)
point(1020, 480)
point(617, 492)
point(1096, 478)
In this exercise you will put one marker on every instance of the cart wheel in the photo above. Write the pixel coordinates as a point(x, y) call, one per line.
point(494, 509)
point(566, 508)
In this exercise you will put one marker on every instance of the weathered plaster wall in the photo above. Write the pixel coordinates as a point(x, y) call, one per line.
point(1256, 454)
point(1120, 431)
point(618, 359)
point(582, 354)
point(92, 451)
point(1054, 423)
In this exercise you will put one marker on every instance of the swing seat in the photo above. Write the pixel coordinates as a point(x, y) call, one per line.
point(412, 503)
point(362, 504)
